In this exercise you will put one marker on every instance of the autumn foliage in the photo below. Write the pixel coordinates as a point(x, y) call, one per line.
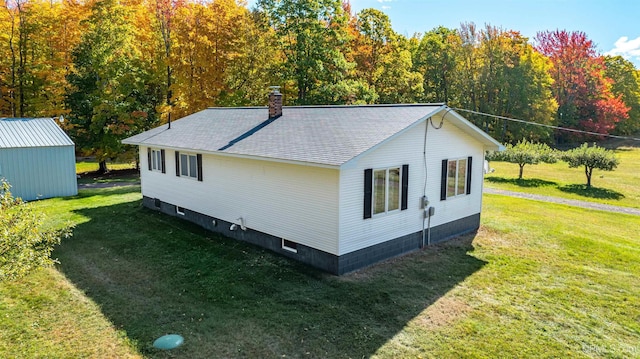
point(117, 67)
point(581, 88)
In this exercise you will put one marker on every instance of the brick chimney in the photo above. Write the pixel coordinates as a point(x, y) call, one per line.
point(275, 102)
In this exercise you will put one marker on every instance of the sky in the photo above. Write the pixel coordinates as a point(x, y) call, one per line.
point(613, 25)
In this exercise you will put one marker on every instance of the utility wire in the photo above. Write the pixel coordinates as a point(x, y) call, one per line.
point(548, 126)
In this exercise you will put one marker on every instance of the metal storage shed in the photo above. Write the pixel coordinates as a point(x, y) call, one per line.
point(37, 158)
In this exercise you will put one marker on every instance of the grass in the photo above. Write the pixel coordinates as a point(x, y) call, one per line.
point(92, 166)
point(118, 172)
point(538, 280)
point(619, 187)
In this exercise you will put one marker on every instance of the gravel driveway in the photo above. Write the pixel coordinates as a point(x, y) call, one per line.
point(571, 202)
point(106, 184)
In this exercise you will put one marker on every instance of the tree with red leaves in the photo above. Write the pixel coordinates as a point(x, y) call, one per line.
point(583, 92)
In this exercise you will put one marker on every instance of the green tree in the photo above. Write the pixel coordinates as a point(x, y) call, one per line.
point(436, 57)
point(591, 157)
point(25, 243)
point(626, 84)
point(112, 94)
point(383, 59)
point(253, 67)
point(501, 73)
point(524, 153)
point(371, 43)
point(312, 35)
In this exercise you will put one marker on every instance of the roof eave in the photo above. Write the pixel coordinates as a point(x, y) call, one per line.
point(237, 155)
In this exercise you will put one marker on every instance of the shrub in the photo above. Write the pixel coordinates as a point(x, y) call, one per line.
point(24, 242)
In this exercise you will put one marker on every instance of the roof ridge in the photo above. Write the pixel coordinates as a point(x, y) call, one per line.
point(369, 105)
point(377, 105)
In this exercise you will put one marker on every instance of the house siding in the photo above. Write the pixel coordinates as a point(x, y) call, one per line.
point(449, 142)
point(328, 262)
point(39, 172)
point(405, 244)
point(295, 202)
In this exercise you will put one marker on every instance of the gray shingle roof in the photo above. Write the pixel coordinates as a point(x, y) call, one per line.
point(31, 132)
point(326, 135)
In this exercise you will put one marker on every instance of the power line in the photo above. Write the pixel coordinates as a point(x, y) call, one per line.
point(548, 126)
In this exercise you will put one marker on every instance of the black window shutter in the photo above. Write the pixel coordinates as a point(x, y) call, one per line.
point(368, 192)
point(149, 157)
point(177, 163)
point(405, 187)
point(443, 180)
point(164, 170)
point(199, 159)
point(469, 159)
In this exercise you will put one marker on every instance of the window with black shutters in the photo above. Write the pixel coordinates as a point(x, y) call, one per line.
point(189, 165)
point(156, 160)
point(456, 177)
point(385, 190)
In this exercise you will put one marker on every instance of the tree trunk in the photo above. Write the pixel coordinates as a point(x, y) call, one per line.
point(588, 171)
point(103, 167)
point(521, 170)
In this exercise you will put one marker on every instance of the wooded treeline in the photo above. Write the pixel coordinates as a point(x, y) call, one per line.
point(114, 68)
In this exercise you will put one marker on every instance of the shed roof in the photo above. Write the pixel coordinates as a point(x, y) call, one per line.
point(31, 132)
point(320, 135)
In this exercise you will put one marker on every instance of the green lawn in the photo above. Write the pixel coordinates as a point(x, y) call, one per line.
point(92, 166)
point(118, 172)
point(619, 187)
point(538, 280)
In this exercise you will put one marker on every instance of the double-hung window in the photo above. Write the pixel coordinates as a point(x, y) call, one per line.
point(456, 177)
point(189, 165)
point(385, 190)
point(156, 160)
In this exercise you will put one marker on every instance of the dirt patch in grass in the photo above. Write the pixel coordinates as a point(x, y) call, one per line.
point(443, 312)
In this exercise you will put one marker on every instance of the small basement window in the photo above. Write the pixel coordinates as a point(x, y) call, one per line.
point(180, 210)
point(289, 246)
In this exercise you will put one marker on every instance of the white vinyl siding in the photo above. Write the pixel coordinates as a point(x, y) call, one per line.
point(448, 142)
point(299, 203)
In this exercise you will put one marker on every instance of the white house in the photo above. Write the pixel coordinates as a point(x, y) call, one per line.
point(337, 187)
point(37, 158)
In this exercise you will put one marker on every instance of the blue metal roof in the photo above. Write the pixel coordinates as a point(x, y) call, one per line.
point(31, 132)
